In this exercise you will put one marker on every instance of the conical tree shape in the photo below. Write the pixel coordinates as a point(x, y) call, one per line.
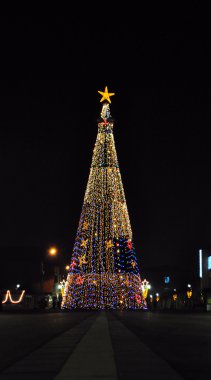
point(104, 270)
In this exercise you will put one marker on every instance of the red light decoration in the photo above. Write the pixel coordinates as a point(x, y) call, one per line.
point(129, 244)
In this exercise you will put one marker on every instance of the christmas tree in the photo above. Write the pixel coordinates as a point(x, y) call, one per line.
point(104, 271)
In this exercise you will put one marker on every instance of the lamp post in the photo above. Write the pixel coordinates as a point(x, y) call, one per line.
point(55, 259)
point(52, 251)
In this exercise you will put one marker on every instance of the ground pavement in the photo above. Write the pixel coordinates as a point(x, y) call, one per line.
point(121, 345)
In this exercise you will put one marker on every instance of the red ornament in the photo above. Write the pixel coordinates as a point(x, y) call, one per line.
point(73, 264)
point(79, 280)
point(129, 244)
point(138, 298)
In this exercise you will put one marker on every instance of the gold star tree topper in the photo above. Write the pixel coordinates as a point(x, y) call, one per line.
point(106, 95)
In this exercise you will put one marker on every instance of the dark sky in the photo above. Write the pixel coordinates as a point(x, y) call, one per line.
point(49, 110)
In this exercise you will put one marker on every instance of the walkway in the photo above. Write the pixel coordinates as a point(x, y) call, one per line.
point(101, 348)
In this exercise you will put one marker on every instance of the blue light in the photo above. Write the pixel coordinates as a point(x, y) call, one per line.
point(200, 263)
point(209, 262)
point(166, 279)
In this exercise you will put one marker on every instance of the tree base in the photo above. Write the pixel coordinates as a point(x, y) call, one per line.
point(103, 291)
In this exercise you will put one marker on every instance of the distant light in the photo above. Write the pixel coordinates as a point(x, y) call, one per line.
point(59, 286)
point(175, 290)
point(189, 285)
point(148, 286)
point(67, 267)
point(8, 297)
point(150, 295)
point(157, 294)
point(166, 279)
point(18, 286)
point(174, 297)
point(209, 262)
point(200, 263)
point(53, 251)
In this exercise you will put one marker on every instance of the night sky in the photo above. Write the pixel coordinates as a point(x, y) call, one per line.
point(49, 111)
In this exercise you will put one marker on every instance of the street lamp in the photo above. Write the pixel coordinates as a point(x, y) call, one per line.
point(189, 291)
point(53, 251)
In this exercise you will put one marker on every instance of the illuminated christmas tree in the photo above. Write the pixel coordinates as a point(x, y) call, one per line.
point(104, 270)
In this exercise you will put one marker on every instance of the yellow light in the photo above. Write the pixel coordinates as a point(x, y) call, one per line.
point(53, 251)
point(189, 293)
point(145, 288)
point(6, 297)
point(67, 267)
point(106, 95)
point(144, 293)
point(9, 297)
point(174, 297)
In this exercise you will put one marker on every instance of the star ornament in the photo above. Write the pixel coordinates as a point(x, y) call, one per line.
point(106, 95)
point(109, 244)
point(84, 243)
point(79, 280)
point(82, 260)
point(73, 264)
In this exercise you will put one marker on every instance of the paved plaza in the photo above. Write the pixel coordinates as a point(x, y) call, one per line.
point(105, 345)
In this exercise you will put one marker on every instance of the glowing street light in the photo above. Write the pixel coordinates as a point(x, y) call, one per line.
point(53, 251)
point(157, 297)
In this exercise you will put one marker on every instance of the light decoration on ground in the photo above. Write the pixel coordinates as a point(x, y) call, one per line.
point(175, 297)
point(8, 297)
point(104, 271)
point(157, 297)
point(62, 287)
point(145, 288)
point(189, 293)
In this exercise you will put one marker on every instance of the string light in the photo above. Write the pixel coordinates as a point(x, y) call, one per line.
point(8, 297)
point(104, 271)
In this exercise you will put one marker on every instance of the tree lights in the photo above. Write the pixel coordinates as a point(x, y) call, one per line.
point(104, 271)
